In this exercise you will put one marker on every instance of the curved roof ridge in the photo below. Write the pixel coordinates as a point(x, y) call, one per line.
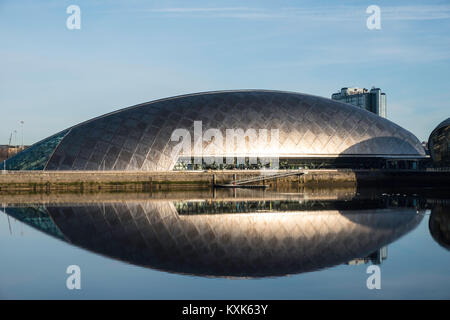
point(444, 123)
point(186, 95)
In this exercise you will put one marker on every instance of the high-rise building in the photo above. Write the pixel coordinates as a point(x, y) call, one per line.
point(373, 100)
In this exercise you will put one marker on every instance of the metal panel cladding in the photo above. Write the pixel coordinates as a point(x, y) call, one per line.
point(138, 137)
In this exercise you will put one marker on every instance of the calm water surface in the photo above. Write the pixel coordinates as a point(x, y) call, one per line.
point(228, 244)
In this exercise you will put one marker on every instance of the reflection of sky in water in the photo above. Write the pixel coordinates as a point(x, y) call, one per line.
point(33, 264)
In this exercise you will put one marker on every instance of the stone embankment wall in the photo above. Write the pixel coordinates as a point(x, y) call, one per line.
point(82, 181)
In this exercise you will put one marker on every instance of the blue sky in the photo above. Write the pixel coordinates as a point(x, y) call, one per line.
point(129, 52)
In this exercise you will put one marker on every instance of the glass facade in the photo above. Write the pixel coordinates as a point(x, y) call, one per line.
point(36, 217)
point(36, 156)
point(187, 164)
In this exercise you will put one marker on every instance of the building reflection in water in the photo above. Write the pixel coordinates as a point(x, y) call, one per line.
point(230, 237)
point(439, 223)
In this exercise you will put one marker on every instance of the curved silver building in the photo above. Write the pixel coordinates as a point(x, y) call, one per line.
point(439, 144)
point(298, 129)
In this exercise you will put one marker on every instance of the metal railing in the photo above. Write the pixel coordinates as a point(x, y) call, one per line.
point(264, 177)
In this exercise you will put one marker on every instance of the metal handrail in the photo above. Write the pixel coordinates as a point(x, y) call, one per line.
point(264, 177)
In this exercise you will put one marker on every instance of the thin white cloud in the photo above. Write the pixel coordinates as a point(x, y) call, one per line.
point(386, 53)
point(332, 13)
point(425, 12)
point(188, 10)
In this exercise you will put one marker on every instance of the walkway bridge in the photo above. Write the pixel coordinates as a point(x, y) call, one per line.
point(244, 183)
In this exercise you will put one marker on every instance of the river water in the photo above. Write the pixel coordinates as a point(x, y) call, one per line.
point(227, 244)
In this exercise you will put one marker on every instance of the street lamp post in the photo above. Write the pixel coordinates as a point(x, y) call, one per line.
point(21, 122)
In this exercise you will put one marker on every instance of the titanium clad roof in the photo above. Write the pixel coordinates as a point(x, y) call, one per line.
point(443, 124)
point(138, 138)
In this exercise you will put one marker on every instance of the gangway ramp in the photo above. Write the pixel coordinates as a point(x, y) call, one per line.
point(245, 183)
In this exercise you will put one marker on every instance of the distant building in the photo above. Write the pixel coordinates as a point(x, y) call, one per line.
point(373, 100)
point(439, 144)
point(8, 151)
